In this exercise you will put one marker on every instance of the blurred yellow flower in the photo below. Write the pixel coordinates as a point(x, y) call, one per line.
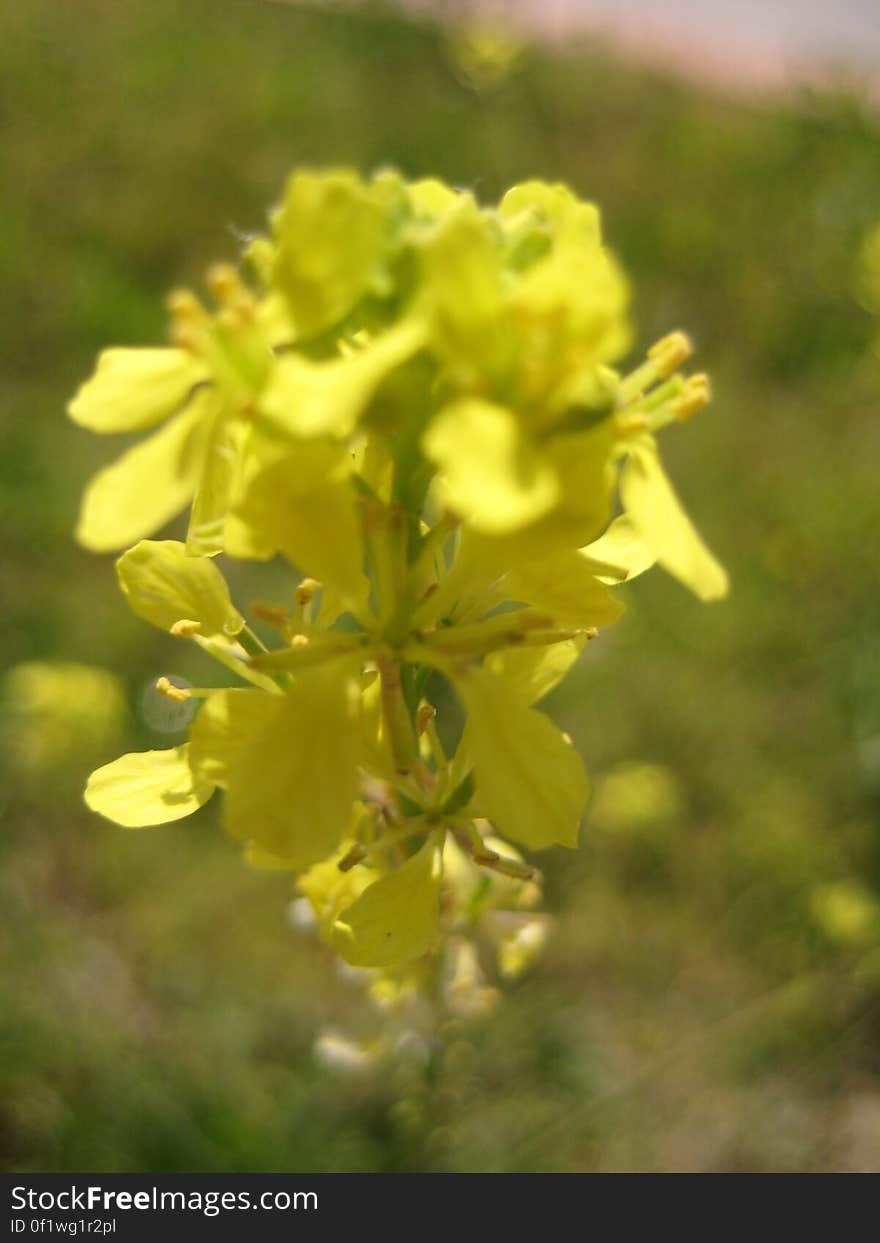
point(54, 714)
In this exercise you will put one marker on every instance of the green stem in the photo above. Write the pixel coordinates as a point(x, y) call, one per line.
point(401, 735)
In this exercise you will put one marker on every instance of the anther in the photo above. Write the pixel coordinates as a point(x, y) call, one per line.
point(186, 628)
point(272, 614)
point(670, 352)
point(629, 425)
point(223, 282)
point(305, 592)
point(424, 716)
point(695, 395)
point(184, 305)
point(177, 694)
point(300, 640)
point(182, 335)
point(353, 857)
point(229, 319)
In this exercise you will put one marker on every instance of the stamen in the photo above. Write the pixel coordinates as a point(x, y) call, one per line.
point(224, 282)
point(509, 867)
point(631, 424)
point(425, 714)
point(183, 335)
point(306, 591)
point(696, 394)
point(230, 319)
point(353, 857)
point(182, 694)
point(177, 694)
point(664, 357)
point(183, 304)
point(186, 628)
point(272, 614)
point(670, 352)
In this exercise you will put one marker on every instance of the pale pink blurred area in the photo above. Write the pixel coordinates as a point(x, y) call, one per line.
point(733, 43)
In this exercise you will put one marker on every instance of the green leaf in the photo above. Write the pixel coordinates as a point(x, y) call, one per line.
point(530, 782)
point(396, 919)
point(147, 787)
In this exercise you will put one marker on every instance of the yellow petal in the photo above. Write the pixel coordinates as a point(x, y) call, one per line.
point(532, 672)
point(396, 918)
point(581, 465)
point(288, 762)
point(620, 554)
point(163, 584)
point(224, 443)
point(563, 586)
point(147, 787)
point(530, 782)
point(145, 488)
point(464, 294)
point(314, 399)
point(553, 204)
point(135, 388)
point(582, 462)
point(331, 891)
point(300, 501)
point(330, 234)
point(489, 473)
point(665, 528)
point(225, 724)
point(430, 197)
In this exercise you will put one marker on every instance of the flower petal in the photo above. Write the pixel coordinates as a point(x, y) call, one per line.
point(532, 672)
point(300, 501)
point(531, 783)
point(619, 554)
point(164, 584)
point(330, 235)
point(315, 399)
point(145, 488)
point(288, 762)
point(135, 388)
point(489, 474)
point(147, 787)
point(665, 528)
point(397, 918)
point(564, 587)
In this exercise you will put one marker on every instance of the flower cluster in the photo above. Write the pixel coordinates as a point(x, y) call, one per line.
point(411, 399)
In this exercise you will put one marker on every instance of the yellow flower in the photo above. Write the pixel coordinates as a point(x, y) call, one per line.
point(417, 410)
point(203, 391)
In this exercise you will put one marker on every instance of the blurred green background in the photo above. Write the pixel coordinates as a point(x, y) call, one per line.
point(711, 998)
